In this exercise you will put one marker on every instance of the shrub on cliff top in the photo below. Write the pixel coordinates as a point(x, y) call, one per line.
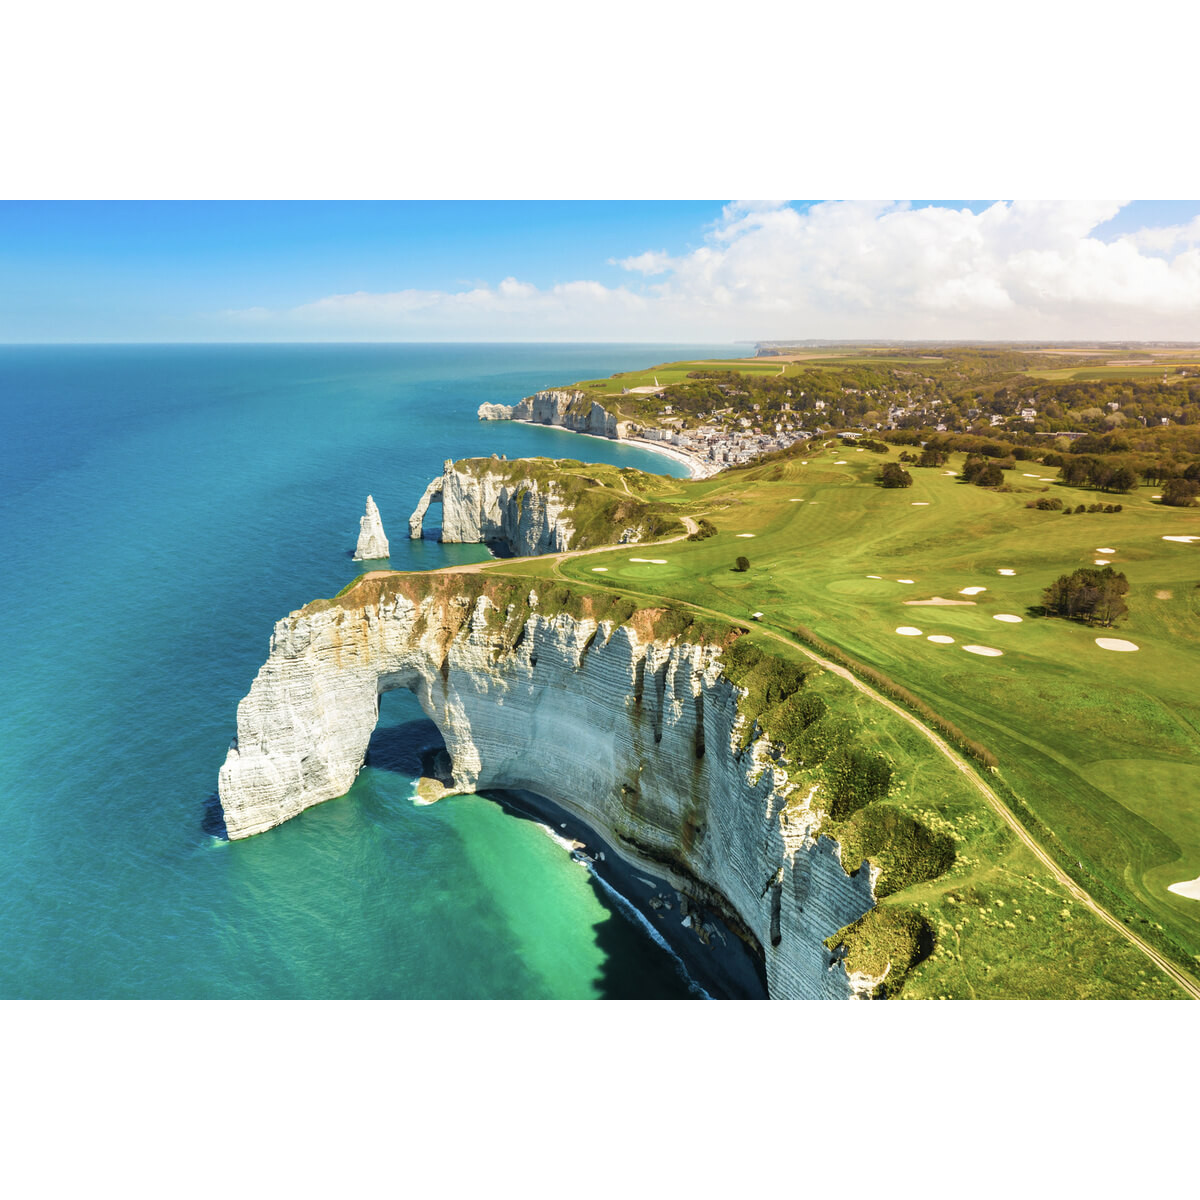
point(903, 849)
point(885, 939)
point(854, 777)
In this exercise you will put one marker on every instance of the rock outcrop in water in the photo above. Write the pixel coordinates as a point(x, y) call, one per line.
point(637, 737)
point(479, 505)
point(372, 541)
point(571, 410)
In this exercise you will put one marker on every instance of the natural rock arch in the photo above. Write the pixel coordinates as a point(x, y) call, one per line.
point(635, 738)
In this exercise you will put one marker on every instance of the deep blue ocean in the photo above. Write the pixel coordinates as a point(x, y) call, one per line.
point(160, 508)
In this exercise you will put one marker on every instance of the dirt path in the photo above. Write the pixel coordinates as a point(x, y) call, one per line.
point(500, 564)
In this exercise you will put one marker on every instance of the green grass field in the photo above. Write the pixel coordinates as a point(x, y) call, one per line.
point(1138, 371)
point(1103, 748)
point(669, 373)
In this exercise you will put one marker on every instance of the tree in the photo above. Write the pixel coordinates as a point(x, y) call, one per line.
point(893, 475)
point(1122, 480)
point(1180, 493)
point(742, 564)
point(989, 475)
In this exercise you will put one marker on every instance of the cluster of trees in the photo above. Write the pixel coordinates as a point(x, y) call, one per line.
point(1054, 504)
point(1091, 594)
point(983, 472)
point(1094, 472)
point(893, 475)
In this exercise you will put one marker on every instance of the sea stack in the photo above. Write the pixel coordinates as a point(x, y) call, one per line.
point(372, 541)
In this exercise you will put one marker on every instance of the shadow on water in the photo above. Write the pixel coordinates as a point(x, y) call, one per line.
point(405, 749)
point(213, 821)
point(636, 965)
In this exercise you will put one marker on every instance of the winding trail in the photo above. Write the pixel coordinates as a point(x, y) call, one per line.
point(1184, 981)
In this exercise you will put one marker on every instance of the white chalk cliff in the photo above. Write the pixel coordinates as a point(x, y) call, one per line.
point(637, 738)
point(571, 410)
point(372, 541)
point(528, 517)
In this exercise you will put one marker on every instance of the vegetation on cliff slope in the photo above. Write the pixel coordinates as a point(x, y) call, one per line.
point(605, 502)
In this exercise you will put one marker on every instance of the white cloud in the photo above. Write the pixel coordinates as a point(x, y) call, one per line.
point(1022, 269)
point(652, 262)
point(1166, 237)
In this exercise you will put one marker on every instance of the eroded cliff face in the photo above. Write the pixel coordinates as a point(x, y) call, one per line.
point(480, 507)
point(571, 410)
point(637, 738)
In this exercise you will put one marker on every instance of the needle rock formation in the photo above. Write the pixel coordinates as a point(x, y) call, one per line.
point(372, 541)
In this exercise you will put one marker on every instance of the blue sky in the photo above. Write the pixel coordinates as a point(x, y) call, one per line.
point(576, 270)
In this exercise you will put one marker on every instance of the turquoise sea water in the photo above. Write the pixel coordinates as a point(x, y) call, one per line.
point(160, 509)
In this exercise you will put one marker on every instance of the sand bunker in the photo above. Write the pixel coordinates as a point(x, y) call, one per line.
point(986, 651)
point(1155, 497)
point(1189, 539)
point(941, 639)
point(841, 462)
point(1189, 888)
point(599, 568)
point(1163, 594)
point(745, 535)
point(971, 591)
point(1102, 562)
point(1030, 476)
point(1011, 618)
point(906, 581)
point(804, 462)
point(756, 616)
point(659, 561)
point(920, 503)
point(949, 472)
point(908, 631)
point(1115, 644)
point(942, 600)
point(874, 576)
point(1105, 550)
point(795, 500)
point(1006, 570)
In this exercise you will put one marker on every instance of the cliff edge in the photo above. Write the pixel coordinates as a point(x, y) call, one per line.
point(569, 409)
